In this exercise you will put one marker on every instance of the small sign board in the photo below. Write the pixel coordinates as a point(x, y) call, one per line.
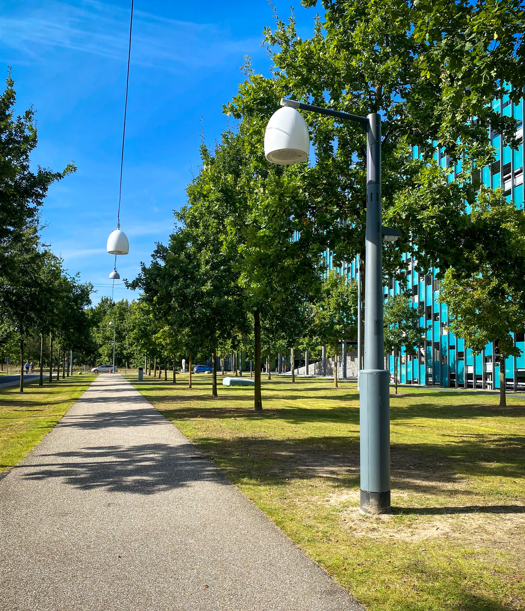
point(7, 359)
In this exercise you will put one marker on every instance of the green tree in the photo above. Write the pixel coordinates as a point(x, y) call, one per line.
point(335, 314)
point(402, 328)
point(65, 313)
point(276, 257)
point(237, 254)
point(25, 298)
point(22, 189)
point(191, 289)
point(483, 306)
point(428, 68)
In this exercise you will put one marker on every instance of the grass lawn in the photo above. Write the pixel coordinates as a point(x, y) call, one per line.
point(25, 418)
point(456, 537)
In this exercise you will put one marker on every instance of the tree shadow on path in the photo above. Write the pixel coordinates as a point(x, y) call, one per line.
point(140, 469)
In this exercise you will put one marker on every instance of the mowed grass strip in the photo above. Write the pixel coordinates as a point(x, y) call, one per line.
point(456, 537)
point(25, 418)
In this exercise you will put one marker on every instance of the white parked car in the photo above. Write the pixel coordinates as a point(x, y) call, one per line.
point(104, 369)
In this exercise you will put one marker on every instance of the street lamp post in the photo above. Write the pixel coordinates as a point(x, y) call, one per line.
point(287, 142)
point(112, 325)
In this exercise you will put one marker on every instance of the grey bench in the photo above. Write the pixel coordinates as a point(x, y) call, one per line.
point(238, 382)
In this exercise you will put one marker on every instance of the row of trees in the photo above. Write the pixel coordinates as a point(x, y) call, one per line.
point(37, 297)
point(245, 265)
point(246, 257)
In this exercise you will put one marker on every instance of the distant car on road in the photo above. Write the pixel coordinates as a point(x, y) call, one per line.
point(202, 369)
point(104, 369)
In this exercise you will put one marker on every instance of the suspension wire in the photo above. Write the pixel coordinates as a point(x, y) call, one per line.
point(113, 284)
point(125, 114)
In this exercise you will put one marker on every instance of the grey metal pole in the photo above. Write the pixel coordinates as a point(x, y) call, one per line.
point(323, 360)
point(307, 362)
point(344, 360)
point(113, 350)
point(483, 371)
point(359, 319)
point(374, 383)
point(71, 362)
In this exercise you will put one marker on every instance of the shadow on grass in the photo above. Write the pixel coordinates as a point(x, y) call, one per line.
point(299, 415)
point(141, 469)
point(435, 511)
point(422, 468)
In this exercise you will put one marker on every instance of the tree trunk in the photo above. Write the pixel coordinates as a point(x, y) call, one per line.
point(292, 363)
point(268, 371)
point(233, 364)
point(50, 358)
point(21, 363)
point(251, 368)
point(68, 364)
point(214, 375)
point(58, 365)
point(395, 370)
point(257, 390)
point(64, 366)
point(222, 365)
point(174, 375)
point(336, 383)
point(189, 370)
point(41, 380)
point(166, 371)
point(502, 383)
point(155, 367)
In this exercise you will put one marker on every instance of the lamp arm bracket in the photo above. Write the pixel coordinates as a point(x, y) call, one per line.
point(326, 111)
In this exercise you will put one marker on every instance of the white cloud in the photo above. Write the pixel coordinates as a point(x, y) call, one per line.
point(71, 253)
point(102, 29)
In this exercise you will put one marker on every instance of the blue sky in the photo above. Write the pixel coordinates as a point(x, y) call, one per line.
point(69, 62)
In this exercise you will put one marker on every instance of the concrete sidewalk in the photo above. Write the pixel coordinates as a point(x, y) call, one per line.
point(117, 510)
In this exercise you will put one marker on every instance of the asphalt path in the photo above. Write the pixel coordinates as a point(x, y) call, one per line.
point(14, 380)
point(117, 510)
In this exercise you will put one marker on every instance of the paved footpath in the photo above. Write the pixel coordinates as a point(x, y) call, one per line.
point(117, 510)
point(14, 380)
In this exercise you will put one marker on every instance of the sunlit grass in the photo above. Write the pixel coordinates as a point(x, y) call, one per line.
point(456, 536)
point(25, 418)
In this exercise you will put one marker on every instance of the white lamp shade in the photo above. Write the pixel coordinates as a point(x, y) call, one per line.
point(118, 243)
point(114, 275)
point(286, 139)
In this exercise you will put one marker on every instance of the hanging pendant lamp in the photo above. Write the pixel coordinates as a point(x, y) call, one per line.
point(114, 275)
point(118, 243)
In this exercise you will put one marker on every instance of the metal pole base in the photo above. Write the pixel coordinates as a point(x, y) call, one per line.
point(375, 502)
point(375, 440)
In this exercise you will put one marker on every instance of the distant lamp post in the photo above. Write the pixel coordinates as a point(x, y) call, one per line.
point(286, 142)
point(112, 325)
